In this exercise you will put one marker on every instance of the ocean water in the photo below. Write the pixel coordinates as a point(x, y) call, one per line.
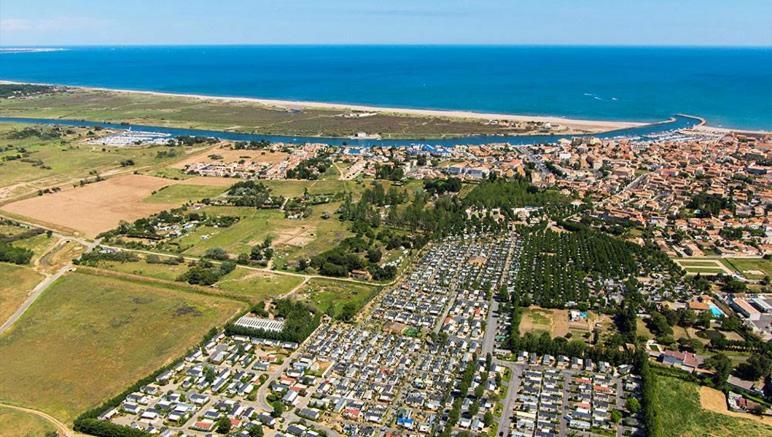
point(728, 87)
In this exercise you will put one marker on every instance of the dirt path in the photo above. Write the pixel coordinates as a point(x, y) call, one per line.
point(715, 401)
point(60, 427)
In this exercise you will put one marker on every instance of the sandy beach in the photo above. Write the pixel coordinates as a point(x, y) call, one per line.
point(587, 125)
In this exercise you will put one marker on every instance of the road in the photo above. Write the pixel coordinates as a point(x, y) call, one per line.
point(509, 401)
point(60, 427)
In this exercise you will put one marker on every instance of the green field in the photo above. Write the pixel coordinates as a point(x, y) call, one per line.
point(180, 194)
point(69, 157)
point(256, 285)
point(89, 337)
point(15, 283)
point(295, 188)
point(326, 293)
point(291, 238)
point(167, 272)
point(38, 244)
point(242, 116)
point(744, 266)
point(677, 405)
point(21, 424)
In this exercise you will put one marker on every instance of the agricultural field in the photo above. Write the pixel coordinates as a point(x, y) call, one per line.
point(15, 283)
point(20, 424)
point(751, 268)
point(101, 206)
point(237, 115)
point(324, 294)
point(34, 158)
point(680, 412)
point(88, 337)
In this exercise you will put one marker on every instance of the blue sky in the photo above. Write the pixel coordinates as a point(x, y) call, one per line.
point(574, 22)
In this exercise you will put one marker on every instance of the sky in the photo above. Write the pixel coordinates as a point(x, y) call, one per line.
point(512, 22)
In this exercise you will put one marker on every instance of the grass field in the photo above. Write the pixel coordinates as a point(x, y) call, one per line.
point(88, 337)
point(291, 238)
point(183, 193)
point(256, 285)
point(38, 244)
point(167, 272)
point(538, 320)
point(326, 293)
point(19, 424)
point(15, 283)
point(751, 268)
point(70, 158)
point(677, 405)
point(235, 115)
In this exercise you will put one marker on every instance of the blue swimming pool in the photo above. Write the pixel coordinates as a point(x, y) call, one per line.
point(716, 311)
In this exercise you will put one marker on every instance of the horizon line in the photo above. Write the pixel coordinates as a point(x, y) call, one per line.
point(333, 44)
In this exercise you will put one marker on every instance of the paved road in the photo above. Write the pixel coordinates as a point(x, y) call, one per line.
point(60, 427)
point(509, 402)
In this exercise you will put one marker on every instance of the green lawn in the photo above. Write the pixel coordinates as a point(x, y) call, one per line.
point(326, 293)
point(182, 193)
point(678, 407)
point(21, 424)
point(257, 285)
point(15, 283)
point(89, 337)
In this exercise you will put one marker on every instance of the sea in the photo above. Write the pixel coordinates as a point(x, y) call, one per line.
point(729, 87)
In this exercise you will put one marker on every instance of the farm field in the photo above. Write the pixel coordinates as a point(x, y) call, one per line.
point(21, 424)
point(677, 404)
point(166, 272)
point(101, 206)
point(109, 332)
point(15, 283)
point(324, 294)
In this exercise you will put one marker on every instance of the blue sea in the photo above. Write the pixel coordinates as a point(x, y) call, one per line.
point(727, 86)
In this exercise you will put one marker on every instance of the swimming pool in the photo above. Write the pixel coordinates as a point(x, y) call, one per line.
point(716, 311)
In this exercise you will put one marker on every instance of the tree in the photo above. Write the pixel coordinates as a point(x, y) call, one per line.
point(721, 365)
point(278, 408)
point(488, 419)
point(223, 425)
point(255, 431)
point(348, 312)
point(633, 405)
point(374, 255)
point(757, 366)
point(616, 416)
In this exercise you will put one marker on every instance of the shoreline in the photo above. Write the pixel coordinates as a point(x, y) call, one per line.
point(598, 125)
point(591, 126)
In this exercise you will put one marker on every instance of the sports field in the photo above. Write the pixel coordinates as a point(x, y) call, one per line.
point(88, 337)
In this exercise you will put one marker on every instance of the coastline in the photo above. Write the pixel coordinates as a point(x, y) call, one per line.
point(590, 125)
